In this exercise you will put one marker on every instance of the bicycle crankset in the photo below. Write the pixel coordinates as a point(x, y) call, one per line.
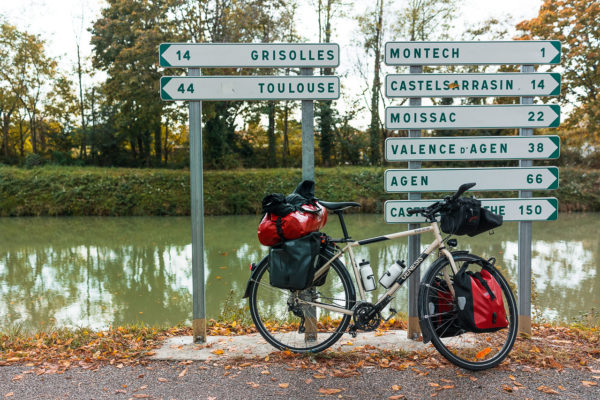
point(366, 318)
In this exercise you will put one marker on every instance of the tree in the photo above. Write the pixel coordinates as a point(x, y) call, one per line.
point(576, 24)
point(125, 40)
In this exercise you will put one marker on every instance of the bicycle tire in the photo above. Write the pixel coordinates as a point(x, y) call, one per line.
point(281, 332)
point(468, 350)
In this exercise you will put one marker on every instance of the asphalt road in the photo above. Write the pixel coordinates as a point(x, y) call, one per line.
point(205, 380)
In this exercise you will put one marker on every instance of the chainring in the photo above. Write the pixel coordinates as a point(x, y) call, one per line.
point(362, 320)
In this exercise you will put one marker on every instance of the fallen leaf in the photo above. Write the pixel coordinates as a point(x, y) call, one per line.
point(547, 389)
point(253, 384)
point(141, 396)
point(17, 377)
point(433, 384)
point(265, 372)
point(329, 391)
point(483, 353)
point(319, 376)
point(307, 381)
point(267, 358)
point(589, 383)
point(561, 387)
point(448, 387)
point(161, 379)
point(511, 377)
point(143, 387)
point(395, 388)
point(507, 388)
point(284, 385)
point(397, 397)
point(9, 394)
point(472, 378)
point(182, 373)
point(218, 351)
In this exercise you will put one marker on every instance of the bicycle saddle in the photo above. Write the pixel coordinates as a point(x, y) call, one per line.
point(338, 206)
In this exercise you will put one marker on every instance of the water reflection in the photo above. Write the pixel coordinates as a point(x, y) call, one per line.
point(109, 271)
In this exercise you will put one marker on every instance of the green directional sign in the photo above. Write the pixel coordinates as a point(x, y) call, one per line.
point(532, 209)
point(449, 179)
point(472, 117)
point(472, 148)
point(250, 87)
point(475, 52)
point(472, 85)
point(256, 55)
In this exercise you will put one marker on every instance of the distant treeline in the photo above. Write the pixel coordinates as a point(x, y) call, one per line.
point(48, 114)
point(123, 192)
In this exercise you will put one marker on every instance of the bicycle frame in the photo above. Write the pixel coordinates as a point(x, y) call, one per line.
point(384, 299)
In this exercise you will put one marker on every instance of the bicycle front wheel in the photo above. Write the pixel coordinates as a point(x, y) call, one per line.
point(438, 313)
point(288, 324)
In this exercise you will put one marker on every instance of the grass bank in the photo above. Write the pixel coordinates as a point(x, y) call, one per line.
point(82, 191)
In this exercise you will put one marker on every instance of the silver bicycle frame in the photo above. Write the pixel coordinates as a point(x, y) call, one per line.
point(437, 243)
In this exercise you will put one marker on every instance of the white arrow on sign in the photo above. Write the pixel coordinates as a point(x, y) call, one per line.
point(533, 209)
point(250, 87)
point(253, 55)
point(472, 117)
point(472, 148)
point(472, 85)
point(449, 179)
point(476, 52)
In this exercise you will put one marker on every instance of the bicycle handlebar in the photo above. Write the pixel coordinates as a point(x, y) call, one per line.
point(438, 206)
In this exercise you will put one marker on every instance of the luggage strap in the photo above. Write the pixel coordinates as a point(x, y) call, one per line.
point(279, 228)
point(478, 276)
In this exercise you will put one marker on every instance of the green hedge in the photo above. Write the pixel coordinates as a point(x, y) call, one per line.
point(121, 191)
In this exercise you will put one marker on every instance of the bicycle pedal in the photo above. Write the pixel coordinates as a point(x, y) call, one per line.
point(392, 313)
point(352, 331)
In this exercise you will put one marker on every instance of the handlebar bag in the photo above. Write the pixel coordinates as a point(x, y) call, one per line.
point(273, 229)
point(479, 300)
point(487, 221)
point(292, 264)
point(462, 218)
point(443, 312)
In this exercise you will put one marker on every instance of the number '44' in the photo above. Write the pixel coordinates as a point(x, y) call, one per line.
point(182, 89)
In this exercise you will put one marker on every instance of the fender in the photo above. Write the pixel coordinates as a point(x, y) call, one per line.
point(253, 270)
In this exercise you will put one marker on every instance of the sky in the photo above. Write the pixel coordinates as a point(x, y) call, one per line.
point(62, 23)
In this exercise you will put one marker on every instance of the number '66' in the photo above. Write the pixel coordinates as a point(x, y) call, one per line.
point(536, 177)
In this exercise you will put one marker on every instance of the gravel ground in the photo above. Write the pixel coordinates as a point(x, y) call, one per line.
point(201, 380)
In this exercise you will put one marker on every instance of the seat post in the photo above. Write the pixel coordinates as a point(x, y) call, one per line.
point(344, 230)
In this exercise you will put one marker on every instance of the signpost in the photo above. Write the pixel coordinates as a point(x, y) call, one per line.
point(196, 88)
point(533, 209)
point(449, 179)
point(249, 55)
point(472, 85)
point(250, 88)
point(476, 52)
point(472, 117)
point(470, 148)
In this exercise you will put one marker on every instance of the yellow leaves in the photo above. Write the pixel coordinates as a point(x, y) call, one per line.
point(433, 384)
point(395, 388)
point(329, 391)
point(284, 385)
point(509, 389)
point(348, 344)
point(266, 358)
point(218, 351)
point(481, 354)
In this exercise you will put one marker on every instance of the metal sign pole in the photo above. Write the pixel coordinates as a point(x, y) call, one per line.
point(414, 242)
point(525, 239)
point(196, 188)
point(308, 135)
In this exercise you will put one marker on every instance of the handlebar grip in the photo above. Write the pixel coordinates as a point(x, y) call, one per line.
point(414, 211)
point(463, 188)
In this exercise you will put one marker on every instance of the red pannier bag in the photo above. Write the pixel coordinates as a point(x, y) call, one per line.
point(274, 229)
point(479, 298)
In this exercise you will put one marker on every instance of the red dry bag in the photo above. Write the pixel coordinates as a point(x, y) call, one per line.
point(274, 229)
point(479, 298)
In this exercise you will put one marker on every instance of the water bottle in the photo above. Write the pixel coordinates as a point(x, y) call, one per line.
point(392, 274)
point(366, 274)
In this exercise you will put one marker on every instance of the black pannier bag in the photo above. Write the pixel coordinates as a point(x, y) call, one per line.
point(442, 310)
point(467, 217)
point(292, 264)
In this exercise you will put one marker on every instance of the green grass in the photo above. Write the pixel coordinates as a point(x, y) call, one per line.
point(78, 191)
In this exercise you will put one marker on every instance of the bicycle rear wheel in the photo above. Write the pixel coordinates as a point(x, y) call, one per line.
point(469, 350)
point(287, 324)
